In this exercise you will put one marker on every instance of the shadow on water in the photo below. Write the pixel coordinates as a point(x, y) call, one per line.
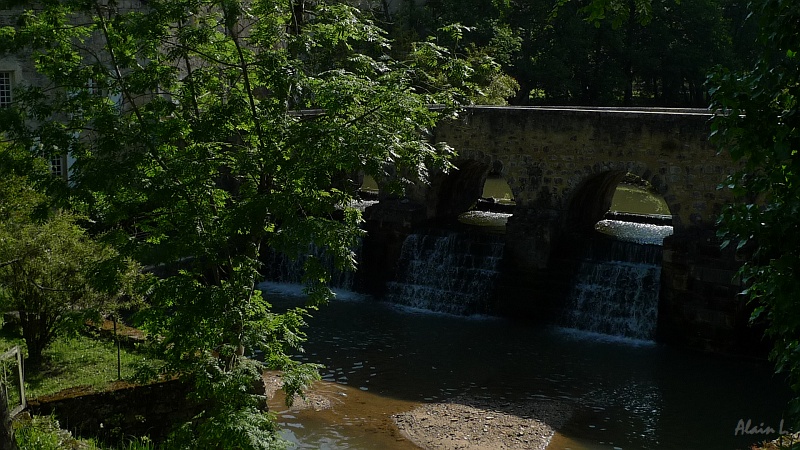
point(623, 393)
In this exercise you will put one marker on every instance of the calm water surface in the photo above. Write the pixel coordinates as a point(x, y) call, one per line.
point(381, 359)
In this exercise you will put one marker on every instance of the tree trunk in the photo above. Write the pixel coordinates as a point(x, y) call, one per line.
point(628, 61)
point(37, 335)
point(523, 95)
point(7, 440)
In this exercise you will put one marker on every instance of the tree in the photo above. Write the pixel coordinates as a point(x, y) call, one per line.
point(757, 121)
point(49, 266)
point(470, 30)
point(207, 130)
point(600, 52)
point(44, 277)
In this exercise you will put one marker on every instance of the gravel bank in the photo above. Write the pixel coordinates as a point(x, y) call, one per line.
point(483, 424)
point(463, 422)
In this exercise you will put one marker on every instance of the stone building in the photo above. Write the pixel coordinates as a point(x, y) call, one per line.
point(17, 70)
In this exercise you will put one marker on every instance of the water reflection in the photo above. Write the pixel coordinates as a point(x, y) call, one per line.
point(497, 188)
point(638, 200)
point(627, 396)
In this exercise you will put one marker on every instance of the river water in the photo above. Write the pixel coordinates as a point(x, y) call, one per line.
point(383, 359)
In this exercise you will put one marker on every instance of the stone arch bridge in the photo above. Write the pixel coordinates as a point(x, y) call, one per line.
point(563, 166)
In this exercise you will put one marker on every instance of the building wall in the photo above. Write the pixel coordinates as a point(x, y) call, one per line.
point(23, 71)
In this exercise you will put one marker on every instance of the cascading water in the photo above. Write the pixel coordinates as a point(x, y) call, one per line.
point(615, 290)
point(282, 269)
point(447, 272)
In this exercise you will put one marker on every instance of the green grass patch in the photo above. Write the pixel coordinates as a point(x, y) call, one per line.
point(71, 362)
point(43, 433)
point(75, 362)
point(79, 361)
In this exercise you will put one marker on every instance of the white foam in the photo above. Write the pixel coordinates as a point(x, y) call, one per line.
point(581, 335)
point(297, 290)
point(427, 312)
point(639, 233)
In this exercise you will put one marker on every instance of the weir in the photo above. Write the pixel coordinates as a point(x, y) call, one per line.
point(447, 271)
point(561, 166)
point(616, 290)
point(279, 267)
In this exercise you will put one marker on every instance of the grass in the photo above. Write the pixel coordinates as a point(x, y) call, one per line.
point(70, 362)
point(79, 361)
point(73, 362)
point(43, 433)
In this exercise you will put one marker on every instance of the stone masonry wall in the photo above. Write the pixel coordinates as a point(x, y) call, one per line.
point(547, 154)
point(700, 306)
point(130, 411)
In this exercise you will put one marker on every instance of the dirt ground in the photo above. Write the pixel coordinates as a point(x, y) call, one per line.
point(472, 423)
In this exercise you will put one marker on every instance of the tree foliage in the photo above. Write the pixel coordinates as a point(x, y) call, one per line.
point(51, 271)
point(757, 121)
point(481, 49)
point(599, 52)
point(205, 131)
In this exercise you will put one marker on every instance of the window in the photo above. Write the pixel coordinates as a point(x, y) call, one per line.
point(5, 89)
point(94, 87)
point(57, 164)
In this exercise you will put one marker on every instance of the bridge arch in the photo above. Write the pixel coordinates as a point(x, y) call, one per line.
point(548, 152)
point(591, 199)
point(457, 191)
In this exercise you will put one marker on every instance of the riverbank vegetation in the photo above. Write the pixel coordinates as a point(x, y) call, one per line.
point(757, 122)
point(786, 442)
point(74, 363)
point(54, 276)
point(45, 433)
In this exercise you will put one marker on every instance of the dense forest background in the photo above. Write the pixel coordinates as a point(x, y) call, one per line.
point(632, 53)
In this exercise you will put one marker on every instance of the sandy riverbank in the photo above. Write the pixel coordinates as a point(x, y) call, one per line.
point(481, 423)
point(463, 422)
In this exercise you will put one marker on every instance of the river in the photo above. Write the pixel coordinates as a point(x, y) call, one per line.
point(382, 359)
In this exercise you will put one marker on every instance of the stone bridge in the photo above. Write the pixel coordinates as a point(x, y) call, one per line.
point(563, 166)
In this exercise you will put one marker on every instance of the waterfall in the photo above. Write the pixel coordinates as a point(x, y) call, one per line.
point(282, 269)
point(447, 272)
point(615, 290)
